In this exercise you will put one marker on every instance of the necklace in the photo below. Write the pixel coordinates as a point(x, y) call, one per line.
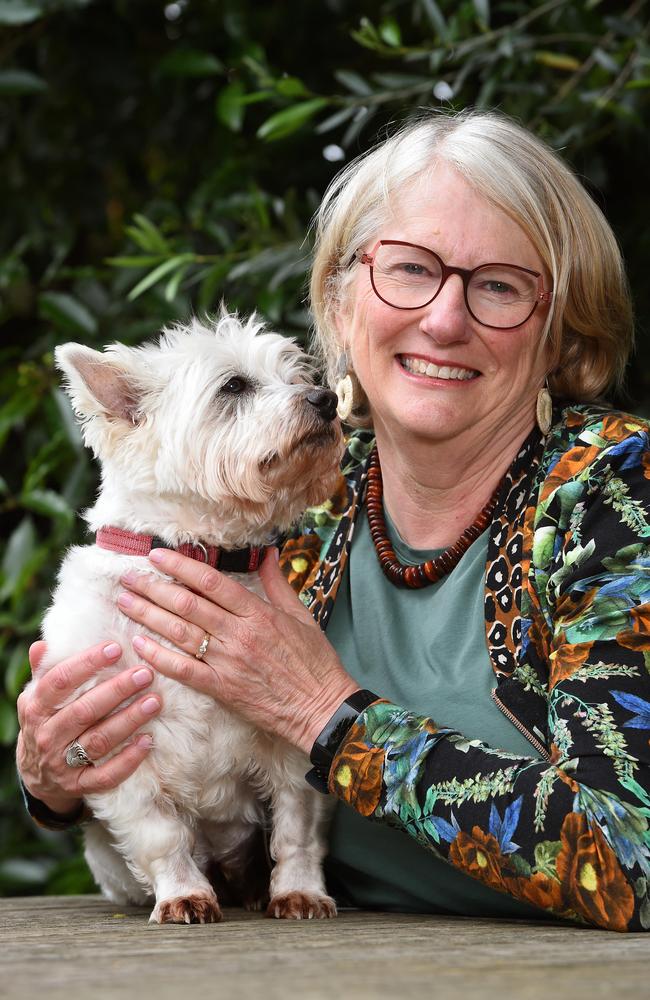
point(425, 572)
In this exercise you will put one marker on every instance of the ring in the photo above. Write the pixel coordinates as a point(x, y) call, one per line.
point(76, 756)
point(203, 648)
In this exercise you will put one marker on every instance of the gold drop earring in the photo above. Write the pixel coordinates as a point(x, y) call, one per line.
point(544, 408)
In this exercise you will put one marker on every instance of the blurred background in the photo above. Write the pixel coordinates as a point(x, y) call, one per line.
point(156, 157)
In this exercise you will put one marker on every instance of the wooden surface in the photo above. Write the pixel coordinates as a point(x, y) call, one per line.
point(83, 948)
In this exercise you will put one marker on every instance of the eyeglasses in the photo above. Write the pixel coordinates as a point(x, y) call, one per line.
point(407, 276)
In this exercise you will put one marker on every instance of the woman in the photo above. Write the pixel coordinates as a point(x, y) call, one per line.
point(461, 274)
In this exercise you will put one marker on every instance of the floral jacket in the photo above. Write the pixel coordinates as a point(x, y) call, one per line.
point(567, 618)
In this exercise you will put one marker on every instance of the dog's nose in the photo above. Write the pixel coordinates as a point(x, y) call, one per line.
point(325, 402)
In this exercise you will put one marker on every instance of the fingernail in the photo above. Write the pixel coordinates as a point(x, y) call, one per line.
point(142, 676)
point(111, 650)
point(139, 643)
point(150, 705)
point(144, 740)
point(128, 577)
point(157, 555)
point(124, 600)
point(276, 554)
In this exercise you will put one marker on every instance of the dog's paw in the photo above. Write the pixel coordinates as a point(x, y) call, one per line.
point(196, 909)
point(301, 906)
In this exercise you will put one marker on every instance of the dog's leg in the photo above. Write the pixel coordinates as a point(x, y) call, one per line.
point(241, 866)
point(298, 845)
point(110, 870)
point(158, 849)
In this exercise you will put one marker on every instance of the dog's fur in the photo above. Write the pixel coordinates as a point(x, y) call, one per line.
point(184, 459)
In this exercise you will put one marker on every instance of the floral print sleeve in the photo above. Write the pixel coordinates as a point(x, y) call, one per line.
point(568, 832)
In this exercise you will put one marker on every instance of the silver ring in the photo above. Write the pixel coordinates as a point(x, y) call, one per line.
point(203, 648)
point(76, 756)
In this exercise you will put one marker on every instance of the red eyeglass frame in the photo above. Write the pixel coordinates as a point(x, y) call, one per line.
point(465, 274)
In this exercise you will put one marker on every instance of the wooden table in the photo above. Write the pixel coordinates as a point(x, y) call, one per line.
point(83, 948)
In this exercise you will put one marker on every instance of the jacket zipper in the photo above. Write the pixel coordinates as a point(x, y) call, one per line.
point(541, 749)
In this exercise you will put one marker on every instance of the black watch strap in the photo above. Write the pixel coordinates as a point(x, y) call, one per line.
point(329, 740)
point(45, 817)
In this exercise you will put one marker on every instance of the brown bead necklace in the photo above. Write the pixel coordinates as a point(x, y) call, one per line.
point(425, 572)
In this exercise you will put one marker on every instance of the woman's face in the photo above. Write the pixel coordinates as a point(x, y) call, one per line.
point(508, 367)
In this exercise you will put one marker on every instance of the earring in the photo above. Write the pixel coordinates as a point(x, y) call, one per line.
point(544, 409)
point(345, 389)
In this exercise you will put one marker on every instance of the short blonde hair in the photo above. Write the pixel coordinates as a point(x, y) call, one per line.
point(590, 324)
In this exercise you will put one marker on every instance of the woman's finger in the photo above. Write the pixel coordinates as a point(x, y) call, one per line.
point(280, 593)
point(37, 651)
point(91, 707)
point(184, 604)
point(183, 634)
point(100, 740)
point(210, 583)
point(55, 687)
point(114, 771)
point(194, 673)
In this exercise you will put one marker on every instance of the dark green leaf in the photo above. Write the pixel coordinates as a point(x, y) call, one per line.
point(190, 62)
point(158, 273)
point(172, 286)
point(49, 503)
point(283, 123)
point(17, 671)
point(482, 8)
point(389, 32)
point(19, 551)
point(354, 82)
point(230, 107)
point(19, 12)
point(147, 235)
point(14, 412)
point(20, 81)
point(67, 313)
point(8, 723)
point(436, 17)
point(291, 86)
point(143, 261)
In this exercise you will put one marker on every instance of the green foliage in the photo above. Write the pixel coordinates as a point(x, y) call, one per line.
point(158, 158)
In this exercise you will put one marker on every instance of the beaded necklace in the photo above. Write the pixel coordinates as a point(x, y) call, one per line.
point(427, 572)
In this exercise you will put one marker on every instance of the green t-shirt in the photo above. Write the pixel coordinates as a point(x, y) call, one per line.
point(425, 650)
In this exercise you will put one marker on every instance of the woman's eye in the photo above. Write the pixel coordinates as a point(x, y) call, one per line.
point(234, 386)
point(417, 270)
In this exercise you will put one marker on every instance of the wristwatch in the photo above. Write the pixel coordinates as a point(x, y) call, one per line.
point(51, 820)
point(329, 740)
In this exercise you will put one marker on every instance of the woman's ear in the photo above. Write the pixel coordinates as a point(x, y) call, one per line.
point(342, 325)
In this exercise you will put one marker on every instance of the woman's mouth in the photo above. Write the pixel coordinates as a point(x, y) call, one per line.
point(418, 366)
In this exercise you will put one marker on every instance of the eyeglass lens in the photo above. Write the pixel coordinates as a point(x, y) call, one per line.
point(497, 295)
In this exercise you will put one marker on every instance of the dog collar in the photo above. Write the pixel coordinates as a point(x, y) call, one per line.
point(227, 560)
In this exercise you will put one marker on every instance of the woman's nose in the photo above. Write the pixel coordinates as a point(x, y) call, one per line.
point(446, 319)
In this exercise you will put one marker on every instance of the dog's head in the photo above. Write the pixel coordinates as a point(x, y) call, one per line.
point(224, 415)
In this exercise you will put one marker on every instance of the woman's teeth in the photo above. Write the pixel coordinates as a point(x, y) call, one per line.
point(420, 367)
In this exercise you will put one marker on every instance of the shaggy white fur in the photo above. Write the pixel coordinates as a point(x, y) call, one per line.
point(206, 434)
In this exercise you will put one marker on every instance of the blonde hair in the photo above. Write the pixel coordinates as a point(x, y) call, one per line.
point(590, 324)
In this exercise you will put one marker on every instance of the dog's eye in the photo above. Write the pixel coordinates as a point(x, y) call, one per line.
point(235, 386)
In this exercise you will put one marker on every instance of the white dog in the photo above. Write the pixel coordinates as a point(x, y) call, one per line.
point(214, 436)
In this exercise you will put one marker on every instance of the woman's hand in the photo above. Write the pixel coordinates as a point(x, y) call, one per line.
point(46, 730)
point(269, 662)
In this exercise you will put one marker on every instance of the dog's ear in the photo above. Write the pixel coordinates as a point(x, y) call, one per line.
point(98, 384)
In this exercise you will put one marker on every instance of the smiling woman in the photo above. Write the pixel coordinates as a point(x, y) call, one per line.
point(476, 697)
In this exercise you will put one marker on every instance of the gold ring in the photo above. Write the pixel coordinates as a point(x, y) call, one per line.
point(203, 648)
